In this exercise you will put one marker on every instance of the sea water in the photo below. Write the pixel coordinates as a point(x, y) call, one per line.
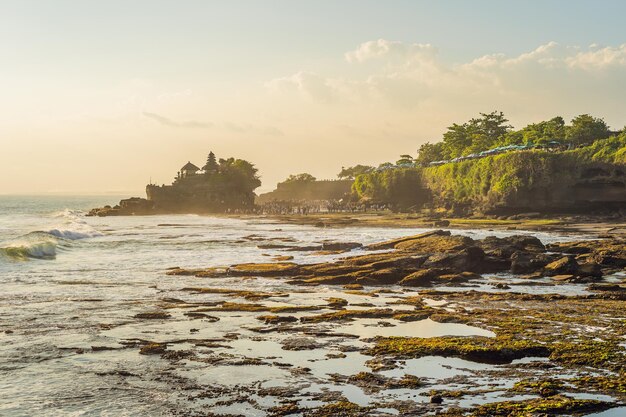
point(71, 286)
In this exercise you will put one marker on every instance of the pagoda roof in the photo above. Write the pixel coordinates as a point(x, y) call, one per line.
point(190, 167)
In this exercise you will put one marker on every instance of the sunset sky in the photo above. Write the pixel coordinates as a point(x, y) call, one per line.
point(101, 96)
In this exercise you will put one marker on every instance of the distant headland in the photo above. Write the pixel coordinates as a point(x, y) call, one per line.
point(220, 186)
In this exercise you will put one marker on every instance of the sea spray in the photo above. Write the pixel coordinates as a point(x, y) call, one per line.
point(46, 244)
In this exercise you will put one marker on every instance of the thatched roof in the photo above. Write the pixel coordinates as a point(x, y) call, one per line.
point(190, 167)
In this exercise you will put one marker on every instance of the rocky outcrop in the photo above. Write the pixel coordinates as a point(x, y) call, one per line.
point(439, 258)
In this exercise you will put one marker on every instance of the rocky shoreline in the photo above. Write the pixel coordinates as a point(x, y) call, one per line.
point(550, 352)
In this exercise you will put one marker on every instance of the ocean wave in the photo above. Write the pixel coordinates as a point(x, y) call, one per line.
point(46, 244)
point(35, 245)
point(75, 227)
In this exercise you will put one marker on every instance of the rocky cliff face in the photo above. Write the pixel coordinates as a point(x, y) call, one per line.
point(527, 181)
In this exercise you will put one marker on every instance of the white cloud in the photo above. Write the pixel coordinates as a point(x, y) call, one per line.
point(408, 75)
point(599, 59)
point(308, 84)
point(383, 48)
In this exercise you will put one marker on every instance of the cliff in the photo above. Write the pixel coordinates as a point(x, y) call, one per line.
point(527, 181)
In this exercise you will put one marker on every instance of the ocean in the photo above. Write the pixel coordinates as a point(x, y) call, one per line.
point(72, 286)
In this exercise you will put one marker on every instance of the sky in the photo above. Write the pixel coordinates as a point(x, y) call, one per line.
point(104, 96)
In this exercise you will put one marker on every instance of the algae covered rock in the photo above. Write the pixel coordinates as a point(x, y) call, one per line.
point(564, 266)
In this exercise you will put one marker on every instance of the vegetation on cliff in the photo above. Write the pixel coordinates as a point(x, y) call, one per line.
point(491, 130)
point(553, 166)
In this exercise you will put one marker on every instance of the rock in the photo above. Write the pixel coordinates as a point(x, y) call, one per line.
point(337, 303)
point(390, 244)
point(457, 278)
point(423, 278)
point(507, 246)
point(436, 399)
point(606, 287)
point(386, 276)
point(265, 270)
point(300, 343)
point(157, 315)
point(563, 278)
point(441, 223)
point(153, 349)
point(590, 269)
point(282, 258)
point(528, 262)
point(340, 246)
point(353, 287)
point(436, 244)
point(564, 266)
point(468, 259)
point(274, 319)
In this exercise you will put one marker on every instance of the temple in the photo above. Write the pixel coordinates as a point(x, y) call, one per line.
point(217, 187)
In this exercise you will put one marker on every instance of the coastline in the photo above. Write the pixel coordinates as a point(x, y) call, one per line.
point(597, 226)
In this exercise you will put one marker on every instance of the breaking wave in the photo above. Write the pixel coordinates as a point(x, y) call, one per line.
point(74, 226)
point(37, 245)
point(46, 244)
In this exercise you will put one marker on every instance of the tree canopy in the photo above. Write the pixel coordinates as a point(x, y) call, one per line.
point(352, 172)
point(304, 177)
point(491, 130)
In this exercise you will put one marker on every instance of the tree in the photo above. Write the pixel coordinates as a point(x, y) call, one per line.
point(405, 160)
point(585, 129)
point(476, 135)
point(304, 177)
point(351, 173)
point(211, 163)
point(429, 152)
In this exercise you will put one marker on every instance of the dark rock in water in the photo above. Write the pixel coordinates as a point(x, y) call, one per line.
point(274, 319)
point(340, 246)
point(422, 278)
point(566, 265)
point(528, 262)
point(468, 259)
point(507, 246)
point(436, 399)
point(391, 244)
point(156, 315)
point(153, 349)
point(590, 269)
point(300, 343)
point(563, 278)
point(608, 253)
point(337, 303)
point(606, 287)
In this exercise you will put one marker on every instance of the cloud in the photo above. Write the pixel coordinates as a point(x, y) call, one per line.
point(410, 75)
point(382, 48)
point(243, 128)
point(599, 58)
point(306, 83)
point(172, 123)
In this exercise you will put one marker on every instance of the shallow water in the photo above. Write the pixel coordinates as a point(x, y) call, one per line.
point(72, 286)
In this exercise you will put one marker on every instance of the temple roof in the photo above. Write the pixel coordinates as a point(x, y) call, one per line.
point(190, 167)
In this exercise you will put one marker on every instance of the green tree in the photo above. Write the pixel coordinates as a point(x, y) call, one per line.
point(352, 172)
point(404, 160)
point(476, 135)
point(429, 152)
point(585, 129)
point(304, 177)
